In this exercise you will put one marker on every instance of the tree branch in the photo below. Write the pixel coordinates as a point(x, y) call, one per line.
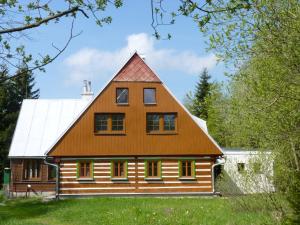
point(60, 51)
point(43, 21)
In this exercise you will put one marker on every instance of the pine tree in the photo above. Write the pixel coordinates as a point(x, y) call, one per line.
point(12, 93)
point(201, 93)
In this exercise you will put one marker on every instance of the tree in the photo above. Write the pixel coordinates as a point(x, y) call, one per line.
point(201, 93)
point(12, 92)
point(19, 17)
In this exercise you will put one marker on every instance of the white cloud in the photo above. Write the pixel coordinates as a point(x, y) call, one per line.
point(89, 63)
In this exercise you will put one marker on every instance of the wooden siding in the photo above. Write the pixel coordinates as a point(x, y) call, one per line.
point(20, 185)
point(136, 182)
point(80, 140)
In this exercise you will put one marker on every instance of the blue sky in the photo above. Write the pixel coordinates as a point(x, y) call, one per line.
point(99, 52)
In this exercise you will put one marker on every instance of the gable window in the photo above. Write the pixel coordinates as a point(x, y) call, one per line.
point(122, 96)
point(153, 122)
point(109, 123)
point(161, 123)
point(117, 121)
point(152, 169)
point(119, 169)
point(101, 122)
point(32, 169)
point(149, 96)
point(186, 169)
point(169, 122)
point(84, 169)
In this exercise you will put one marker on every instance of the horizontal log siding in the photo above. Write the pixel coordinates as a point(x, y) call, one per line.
point(136, 183)
point(18, 184)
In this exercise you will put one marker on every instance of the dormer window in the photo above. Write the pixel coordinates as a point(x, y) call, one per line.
point(149, 96)
point(122, 96)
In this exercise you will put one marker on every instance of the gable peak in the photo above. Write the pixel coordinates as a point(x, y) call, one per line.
point(135, 69)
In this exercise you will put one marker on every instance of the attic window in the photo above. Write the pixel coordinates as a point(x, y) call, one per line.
point(122, 96)
point(149, 96)
point(109, 123)
point(161, 123)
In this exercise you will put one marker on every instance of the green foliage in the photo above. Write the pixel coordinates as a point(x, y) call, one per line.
point(12, 92)
point(190, 210)
point(201, 93)
point(36, 13)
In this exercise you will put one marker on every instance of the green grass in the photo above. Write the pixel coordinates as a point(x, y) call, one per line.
point(146, 211)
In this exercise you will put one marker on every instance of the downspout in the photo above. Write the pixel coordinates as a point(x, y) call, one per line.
point(57, 177)
point(219, 161)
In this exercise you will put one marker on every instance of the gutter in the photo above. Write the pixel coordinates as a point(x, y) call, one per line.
point(219, 161)
point(57, 177)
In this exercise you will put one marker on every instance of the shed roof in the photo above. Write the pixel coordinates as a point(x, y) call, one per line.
point(41, 122)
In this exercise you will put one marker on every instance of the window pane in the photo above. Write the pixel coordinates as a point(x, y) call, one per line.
point(149, 95)
point(169, 121)
point(87, 170)
point(155, 173)
point(189, 169)
point(51, 172)
point(117, 121)
point(82, 169)
point(183, 169)
point(122, 169)
point(116, 169)
point(122, 95)
point(101, 122)
point(150, 169)
point(152, 122)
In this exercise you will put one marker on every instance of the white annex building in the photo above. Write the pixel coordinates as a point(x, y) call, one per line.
point(249, 170)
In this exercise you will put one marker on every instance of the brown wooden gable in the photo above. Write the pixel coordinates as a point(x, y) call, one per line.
point(80, 139)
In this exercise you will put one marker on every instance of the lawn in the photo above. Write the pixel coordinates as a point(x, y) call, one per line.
point(141, 210)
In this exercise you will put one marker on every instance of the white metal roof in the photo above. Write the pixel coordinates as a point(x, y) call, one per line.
point(41, 122)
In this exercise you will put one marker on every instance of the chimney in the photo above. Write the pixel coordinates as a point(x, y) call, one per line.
point(87, 93)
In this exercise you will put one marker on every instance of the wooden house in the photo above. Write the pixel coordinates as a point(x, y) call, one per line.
point(134, 137)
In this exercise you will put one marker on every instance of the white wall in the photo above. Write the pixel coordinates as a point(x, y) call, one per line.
point(250, 181)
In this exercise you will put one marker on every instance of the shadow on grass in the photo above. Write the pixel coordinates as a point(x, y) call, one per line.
point(28, 208)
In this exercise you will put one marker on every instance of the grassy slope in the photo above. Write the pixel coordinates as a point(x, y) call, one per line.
point(127, 211)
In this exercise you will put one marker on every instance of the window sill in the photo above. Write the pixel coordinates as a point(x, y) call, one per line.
point(153, 179)
point(119, 179)
point(110, 133)
point(85, 179)
point(150, 104)
point(163, 133)
point(122, 104)
point(186, 178)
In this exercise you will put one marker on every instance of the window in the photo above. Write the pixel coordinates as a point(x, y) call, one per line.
point(51, 172)
point(119, 169)
point(169, 122)
point(117, 121)
point(187, 169)
point(152, 122)
point(257, 167)
point(122, 95)
point(152, 169)
point(149, 96)
point(161, 123)
point(241, 167)
point(32, 169)
point(84, 169)
point(101, 122)
point(109, 123)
